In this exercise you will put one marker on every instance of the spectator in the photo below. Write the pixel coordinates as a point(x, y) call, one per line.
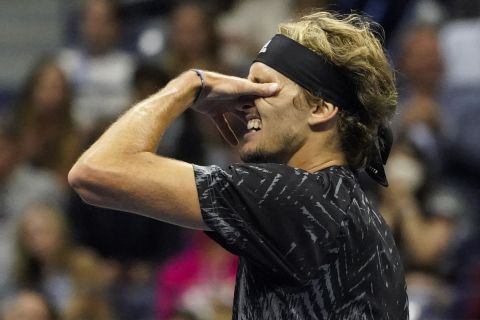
point(421, 119)
point(20, 187)
point(197, 281)
point(425, 218)
point(424, 235)
point(50, 140)
point(193, 40)
point(48, 261)
point(28, 305)
point(99, 71)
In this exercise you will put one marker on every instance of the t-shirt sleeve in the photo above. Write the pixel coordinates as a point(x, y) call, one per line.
point(273, 215)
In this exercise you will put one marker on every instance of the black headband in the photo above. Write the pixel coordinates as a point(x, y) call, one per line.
point(328, 81)
point(309, 70)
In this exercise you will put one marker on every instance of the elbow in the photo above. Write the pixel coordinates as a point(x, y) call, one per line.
point(76, 176)
point(80, 176)
point(88, 183)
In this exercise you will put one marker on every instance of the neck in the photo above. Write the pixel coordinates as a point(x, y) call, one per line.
point(315, 156)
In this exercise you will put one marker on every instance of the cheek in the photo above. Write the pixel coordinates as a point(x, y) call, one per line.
point(283, 131)
point(288, 120)
point(283, 114)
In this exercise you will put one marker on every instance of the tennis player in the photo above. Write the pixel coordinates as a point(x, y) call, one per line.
point(316, 106)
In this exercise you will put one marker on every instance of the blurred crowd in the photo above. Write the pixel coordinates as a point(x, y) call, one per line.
point(63, 259)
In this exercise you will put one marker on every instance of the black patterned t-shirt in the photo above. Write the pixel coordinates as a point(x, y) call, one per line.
point(310, 244)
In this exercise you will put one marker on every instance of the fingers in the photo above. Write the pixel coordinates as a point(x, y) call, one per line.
point(224, 127)
point(258, 89)
point(224, 85)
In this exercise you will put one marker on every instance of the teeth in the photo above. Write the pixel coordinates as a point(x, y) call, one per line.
point(254, 124)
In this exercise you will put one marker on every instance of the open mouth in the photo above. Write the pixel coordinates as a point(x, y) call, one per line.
point(254, 125)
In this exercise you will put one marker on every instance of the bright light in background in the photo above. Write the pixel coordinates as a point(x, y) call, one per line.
point(151, 42)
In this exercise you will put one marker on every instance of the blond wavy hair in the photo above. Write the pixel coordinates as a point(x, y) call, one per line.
point(353, 43)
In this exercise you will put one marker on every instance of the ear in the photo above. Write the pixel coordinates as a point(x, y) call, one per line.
point(322, 113)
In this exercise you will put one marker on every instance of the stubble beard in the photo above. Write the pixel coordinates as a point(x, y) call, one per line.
point(257, 156)
point(261, 154)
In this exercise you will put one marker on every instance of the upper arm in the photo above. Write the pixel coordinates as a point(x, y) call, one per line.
point(143, 183)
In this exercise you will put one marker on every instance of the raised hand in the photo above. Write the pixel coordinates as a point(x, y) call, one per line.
point(221, 94)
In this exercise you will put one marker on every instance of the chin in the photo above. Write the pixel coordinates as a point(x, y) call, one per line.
point(258, 155)
point(253, 157)
point(278, 150)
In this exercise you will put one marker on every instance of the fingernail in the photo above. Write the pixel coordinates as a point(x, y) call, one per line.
point(273, 88)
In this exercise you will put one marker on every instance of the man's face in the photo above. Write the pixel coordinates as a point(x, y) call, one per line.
point(422, 60)
point(190, 30)
point(276, 127)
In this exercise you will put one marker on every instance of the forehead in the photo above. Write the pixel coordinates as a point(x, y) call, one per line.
point(260, 72)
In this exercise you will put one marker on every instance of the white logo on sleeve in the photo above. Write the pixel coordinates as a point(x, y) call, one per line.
point(264, 48)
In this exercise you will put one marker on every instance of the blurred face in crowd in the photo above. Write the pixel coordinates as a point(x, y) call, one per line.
point(100, 26)
point(277, 127)
point(190, 31)
point(42, 233)
point(8, 155)
point(50, 92)
point(422, 61)
point(28, 306)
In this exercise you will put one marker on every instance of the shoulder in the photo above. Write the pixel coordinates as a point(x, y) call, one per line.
point(69, 59)
point(248, 168)
point(338, 181)
point(250, 172)
point(260, 184)
point(338, 178)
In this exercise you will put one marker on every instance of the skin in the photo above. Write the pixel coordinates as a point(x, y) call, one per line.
point(422, 60)
point(28, 306)
point(8, 158)
point(121, 171)
point(50, 92)
point(422, 64)
point(42, 234)
point(100, 27)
